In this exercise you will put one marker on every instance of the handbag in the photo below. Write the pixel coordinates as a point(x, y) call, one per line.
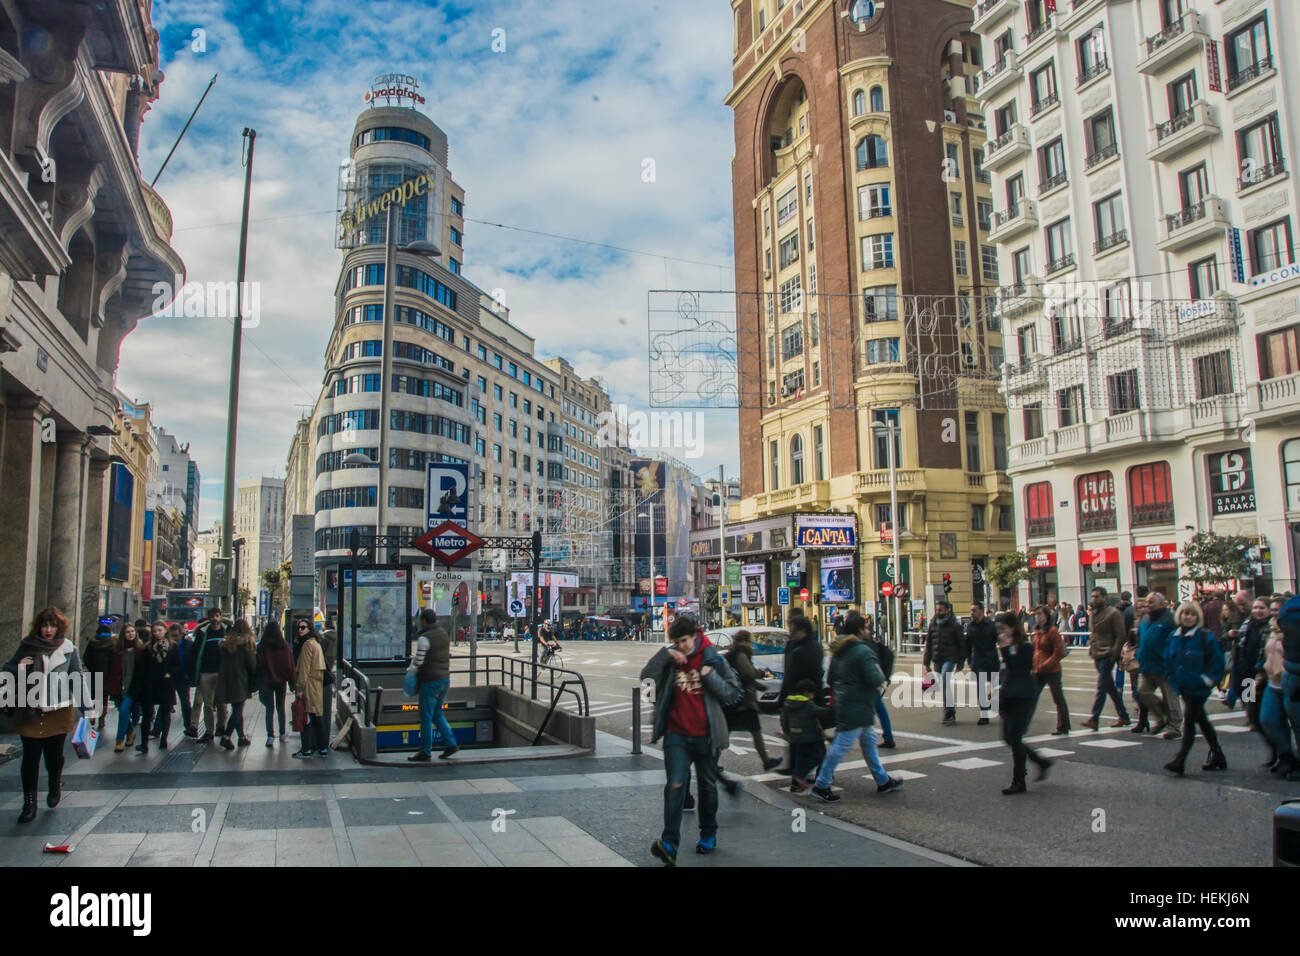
point(1128, 661)
point(299, 714)
point(410, 683)
point(84, 739)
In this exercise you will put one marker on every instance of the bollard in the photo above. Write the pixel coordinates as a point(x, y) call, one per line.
point(636, 720)
point(1286, 834)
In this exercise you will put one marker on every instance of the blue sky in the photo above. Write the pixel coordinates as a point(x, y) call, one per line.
point(550, 135)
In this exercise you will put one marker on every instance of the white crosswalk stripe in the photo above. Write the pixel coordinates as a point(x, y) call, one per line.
point(970, 763)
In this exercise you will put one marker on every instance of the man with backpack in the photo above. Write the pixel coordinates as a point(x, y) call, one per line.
point(857, 680)
point(693, 686)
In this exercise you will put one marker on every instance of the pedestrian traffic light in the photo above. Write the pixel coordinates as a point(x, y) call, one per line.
point(947, 584)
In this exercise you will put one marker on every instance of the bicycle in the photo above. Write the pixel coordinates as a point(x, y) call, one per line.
point(552, 657)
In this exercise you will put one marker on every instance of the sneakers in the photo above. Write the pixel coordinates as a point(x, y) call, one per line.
point(270, 741)
point(448, 752)
point(303, 754)
point(706, 845)
point(1090, 723)
point(142, 747)
point(191, 732)
point(323, 752)
point(799, 784)
point(417, 757)
point(772, 764)
point(825, 794)
point(949, 721)
point(689, 805)
point(664, 851)
point(1139, 728)
point(205, 739)
point(887, 744)
point(1172, 734)
point(890, 785)
point(226, 744)
point(244, 741)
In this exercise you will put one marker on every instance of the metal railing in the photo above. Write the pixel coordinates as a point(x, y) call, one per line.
point(362, 685)
point(526, 676)
point(1186, 216)
point(1109, 242)
point(1261, 174)
point(1101, 155)
point(1177, 28)
point(1175, 123)
point(1245, 75)
point(1052, 182)
point(1093, 71)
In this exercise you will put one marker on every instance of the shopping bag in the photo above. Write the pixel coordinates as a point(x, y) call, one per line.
point(84, 739)
point(299, 714)
point(928, 681)
point(410, 683)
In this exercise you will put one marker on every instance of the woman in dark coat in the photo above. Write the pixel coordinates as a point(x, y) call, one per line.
point(745, 717)
point(98, 661)
point(120, 681)
point(1017, 696)
point(155, 684)
point(234, 680)
point(274, 674)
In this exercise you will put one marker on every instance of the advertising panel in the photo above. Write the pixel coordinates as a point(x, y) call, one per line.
point(753, 578)
point(837, 532)
point(837, 579)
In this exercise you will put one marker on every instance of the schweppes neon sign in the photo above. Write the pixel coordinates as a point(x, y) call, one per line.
point(827, 538)
point(398, 195)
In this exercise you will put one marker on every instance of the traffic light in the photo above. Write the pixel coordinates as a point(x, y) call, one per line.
point(947, 583)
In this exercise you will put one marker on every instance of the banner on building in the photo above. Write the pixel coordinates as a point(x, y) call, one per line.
point(838, 532)
point(1212, 66)
point(146, 568)
point(1232, 484)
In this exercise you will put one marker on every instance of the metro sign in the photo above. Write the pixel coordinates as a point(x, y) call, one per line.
point(448, 542)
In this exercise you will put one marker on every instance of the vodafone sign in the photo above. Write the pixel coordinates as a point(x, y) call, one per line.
point(1154, 552)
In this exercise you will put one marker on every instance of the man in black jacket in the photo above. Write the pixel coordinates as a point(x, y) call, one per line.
point(945, 650)
point(205, 667)
point(803, 661)
point(982, 649)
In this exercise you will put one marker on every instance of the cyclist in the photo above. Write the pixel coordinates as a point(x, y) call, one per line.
point(550, 645)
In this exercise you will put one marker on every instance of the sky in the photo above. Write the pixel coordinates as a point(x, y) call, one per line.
point(551, 135)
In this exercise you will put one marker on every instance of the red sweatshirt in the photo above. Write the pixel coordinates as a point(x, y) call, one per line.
point(686, 714)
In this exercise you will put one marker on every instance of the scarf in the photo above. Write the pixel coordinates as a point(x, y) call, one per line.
point(40, 649)
point(160, 649)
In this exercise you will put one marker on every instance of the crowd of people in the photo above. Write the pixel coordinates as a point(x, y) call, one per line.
point(148, 671)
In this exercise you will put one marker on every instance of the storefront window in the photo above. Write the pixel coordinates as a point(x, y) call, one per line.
point(1150, 495)
point(1291, 473)
point(1038, 510)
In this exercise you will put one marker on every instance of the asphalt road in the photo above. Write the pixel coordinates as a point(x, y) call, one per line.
point(1106, 801)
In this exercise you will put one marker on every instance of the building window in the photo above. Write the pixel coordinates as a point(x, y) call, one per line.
point(774, 475)
point(984, 214)
point(881, 351)
point(872, 153)
point(1070, 406)
point(1042, 86)
point(792, 342)
point(812, 244)
point(1004, 118)
point(880, 440)
point(1060, 246)
point(859, 102)
point(812, 328)
point(1181, 94)
point(792, 384)
point(1248, 52)
point(1039, 519)
point(1193, 185)
point(1259, 151)
point(880, 303)
point(792, 295)
point(1015, 190)
point(973, 442)
point(873, 201)
point(1203, 277)
point(1279, 353)
point(1101, 137)
point(1122, 392)
point(999, 441)
point(788, 250)
point(1067, 327)
point(989, 263)
point(1095, 497)
point(796, 460)
point(878, 252)
point(1033, 419)
point(1270, 247)
point(1150, 495)
point(1005, 517)
point(787, 206)
point(977, 517)
point(818, 469)
point(959, 258)
point(1108, 220)
point(1213, 374)
point(877, 100)
point(1092, 54)
point(953, 156)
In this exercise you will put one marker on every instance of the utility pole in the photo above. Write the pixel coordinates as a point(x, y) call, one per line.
point(722, 542)
point(232, 409)
point(385, 379)
point(893, 520)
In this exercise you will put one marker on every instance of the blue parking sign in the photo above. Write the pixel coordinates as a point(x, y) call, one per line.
point(783, 596)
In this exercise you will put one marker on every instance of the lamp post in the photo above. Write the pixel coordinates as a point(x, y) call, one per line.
point(651, 516)
point(891, 430)
point(722, 541)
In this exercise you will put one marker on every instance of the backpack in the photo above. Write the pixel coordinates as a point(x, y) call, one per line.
point(885, 654)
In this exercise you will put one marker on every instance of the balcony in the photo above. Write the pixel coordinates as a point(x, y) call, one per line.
point(1021, 296)
point(1029, 452)
point(1195, 223)
point(877, 482)
point(1040, 527)
point(1066, 346)
point(1029, 375)
point(1100, 157)
point(1180, 133)
point(1053, 183)
point(992, 12)
point(1072, 439)
point(1275, 397)
point(1183, 37)
point(1259, 175)
point(1078, 9)
point(1046, 103)
point(1013, 220)
point(1000, 75)
point(1203, 319)
point(1093, 71)
point(1107, 243)
point(810, 494)
point(1007, 148)
point(1247, 76)
point(1040, 35)
point(1060, 265)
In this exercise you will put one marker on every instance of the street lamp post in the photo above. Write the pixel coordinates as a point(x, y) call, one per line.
point(650, 508)
point(722, 541)
point(891, 430)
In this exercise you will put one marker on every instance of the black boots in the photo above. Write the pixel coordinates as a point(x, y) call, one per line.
point(29, 808)
point(1217, 761)
point(1141, 727)
point(1175, 766)
point(56, 790)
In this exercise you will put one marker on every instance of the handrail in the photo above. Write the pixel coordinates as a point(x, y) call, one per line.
point(362, 683)
point(513, 672)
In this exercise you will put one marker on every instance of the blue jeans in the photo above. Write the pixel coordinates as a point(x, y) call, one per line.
point(680, 752)
point(1106, 688)
point(949, 699)
point(886, 728)
point(125, 718)
point(1272, 716)
point(432, 694)
point(842, 744)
